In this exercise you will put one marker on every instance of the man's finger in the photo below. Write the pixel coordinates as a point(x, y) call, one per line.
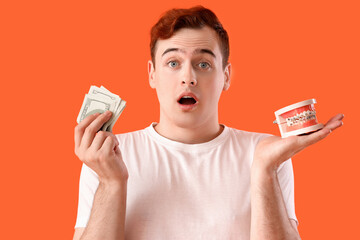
point(94, 127)
point(334, 125)
point(337, 117)
point(331, 125)
point(99, 139)
point(307, 140)
point(109, 144)
point(80, 128)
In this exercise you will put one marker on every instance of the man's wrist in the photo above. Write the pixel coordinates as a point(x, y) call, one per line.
point(262, 175)
point(113, 186)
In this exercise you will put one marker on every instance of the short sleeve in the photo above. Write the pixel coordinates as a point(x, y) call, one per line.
point(88, 185)
point(286, 181)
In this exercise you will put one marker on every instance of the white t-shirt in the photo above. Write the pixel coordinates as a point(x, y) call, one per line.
point(186, 191)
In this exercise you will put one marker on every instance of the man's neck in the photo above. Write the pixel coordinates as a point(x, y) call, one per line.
point(190, 135)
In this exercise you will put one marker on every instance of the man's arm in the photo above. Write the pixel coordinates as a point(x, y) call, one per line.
point(269, 219)
point(99, 151)
point(107, 218)
point(78, 233)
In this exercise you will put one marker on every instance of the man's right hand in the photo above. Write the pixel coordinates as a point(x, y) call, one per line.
point(99, 149)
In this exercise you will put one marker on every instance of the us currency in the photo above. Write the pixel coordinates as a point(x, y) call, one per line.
point(99, 100)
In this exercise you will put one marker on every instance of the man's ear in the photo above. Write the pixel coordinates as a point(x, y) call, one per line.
point(227, 76)
point(151, 72)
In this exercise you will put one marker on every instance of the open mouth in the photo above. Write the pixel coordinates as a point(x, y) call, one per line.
point(187, 100)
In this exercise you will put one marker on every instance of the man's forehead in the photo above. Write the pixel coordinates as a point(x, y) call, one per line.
point(192, 41)
point(194, 52)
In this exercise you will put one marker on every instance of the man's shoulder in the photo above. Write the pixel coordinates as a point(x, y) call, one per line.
point(136, 135)
point(246, 135)
point(131, 133)
point(246, 132)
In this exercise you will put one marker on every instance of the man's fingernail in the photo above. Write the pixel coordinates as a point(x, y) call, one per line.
point(107, 113)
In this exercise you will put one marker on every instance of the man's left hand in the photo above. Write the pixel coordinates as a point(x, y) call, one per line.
point(272, 151)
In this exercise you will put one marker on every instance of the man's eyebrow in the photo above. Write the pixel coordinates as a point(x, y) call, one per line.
point(197, 51)
point(204, 50)
point(170, 50)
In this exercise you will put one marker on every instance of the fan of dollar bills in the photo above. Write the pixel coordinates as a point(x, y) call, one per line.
point(99, 99)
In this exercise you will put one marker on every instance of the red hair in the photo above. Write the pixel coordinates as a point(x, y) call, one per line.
point(195, 17)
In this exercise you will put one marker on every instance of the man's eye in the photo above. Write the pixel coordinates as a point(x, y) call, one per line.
point(172, 64)
point(204, 65)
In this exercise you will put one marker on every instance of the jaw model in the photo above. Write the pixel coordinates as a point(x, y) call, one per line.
point(298, 118)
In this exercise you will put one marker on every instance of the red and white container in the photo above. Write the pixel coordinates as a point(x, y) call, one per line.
point(298, 118)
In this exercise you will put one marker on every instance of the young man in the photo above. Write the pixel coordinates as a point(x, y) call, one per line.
point(187, 176)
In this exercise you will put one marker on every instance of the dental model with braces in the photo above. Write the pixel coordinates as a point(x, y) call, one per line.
point(301, 118)
point(296, 119)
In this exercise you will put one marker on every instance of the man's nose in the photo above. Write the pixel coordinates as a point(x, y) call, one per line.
point(189, 77)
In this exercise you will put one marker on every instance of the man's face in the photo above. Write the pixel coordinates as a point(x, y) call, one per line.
point(189, 77)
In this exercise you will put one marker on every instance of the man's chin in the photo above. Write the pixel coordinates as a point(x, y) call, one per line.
point(188, 121)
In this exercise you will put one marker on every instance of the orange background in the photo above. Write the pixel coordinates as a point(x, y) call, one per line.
point(282, 52)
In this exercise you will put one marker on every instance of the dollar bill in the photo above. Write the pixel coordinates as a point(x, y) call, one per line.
point(101, 100)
